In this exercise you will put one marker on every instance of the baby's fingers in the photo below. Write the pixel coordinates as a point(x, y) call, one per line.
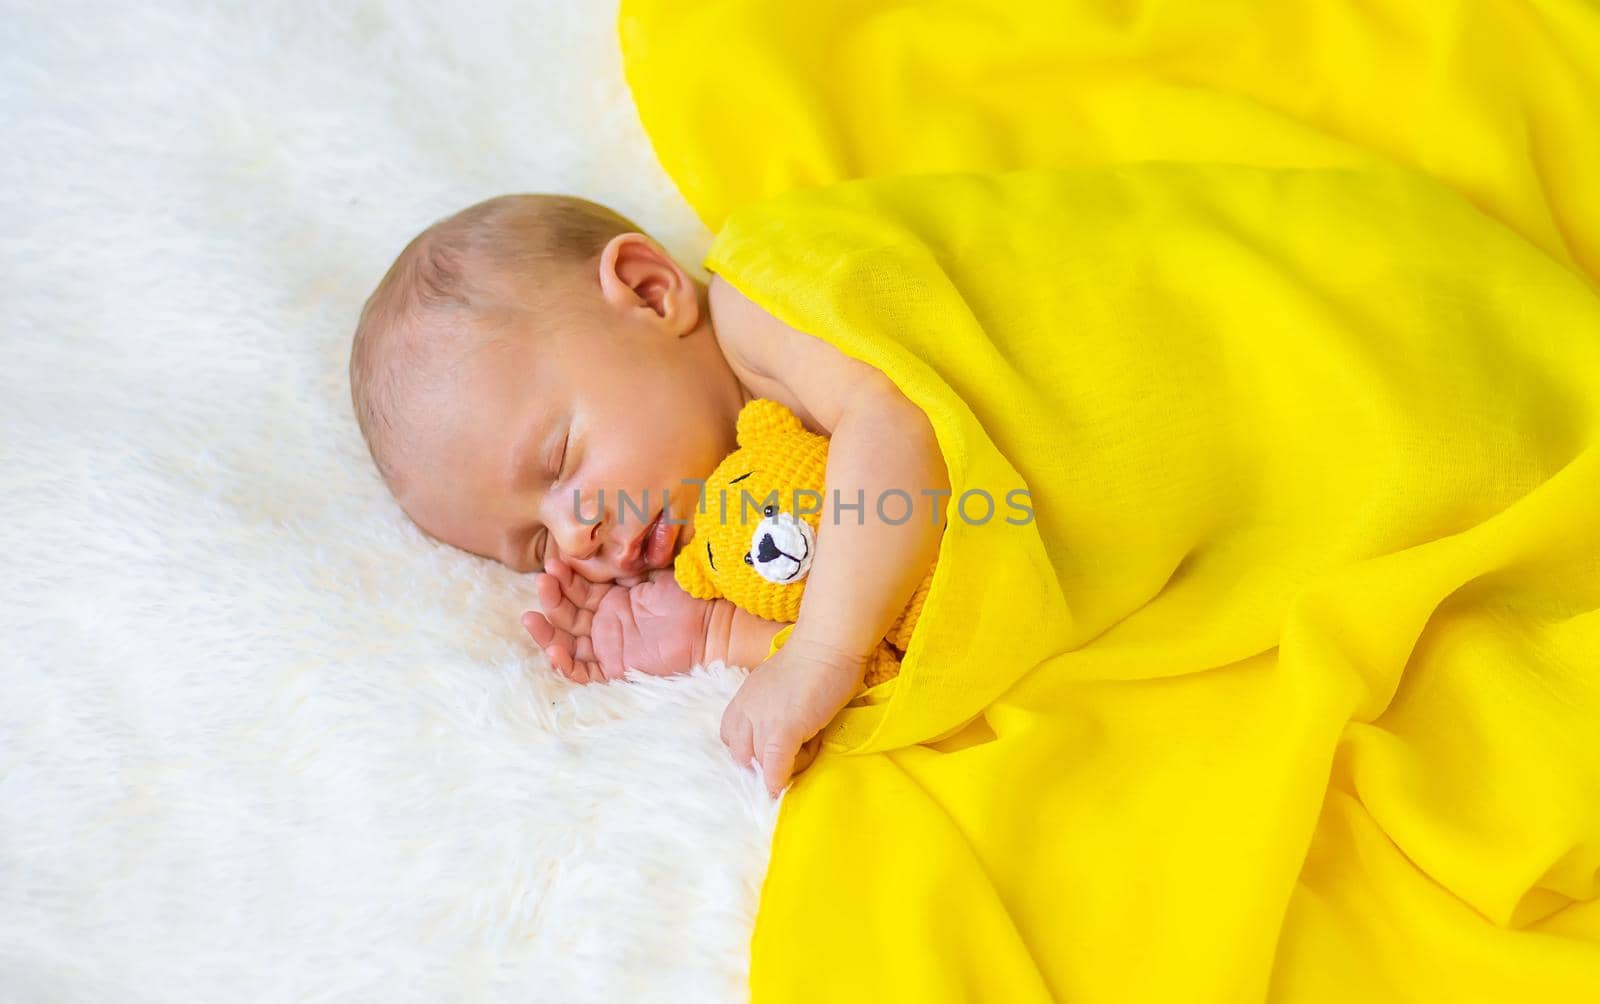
point(777, 760)
point(546, 632)
point(572, 657)
point(561, 661)
point(736, 735)
point(590, 671)
point(537, 626)
point(560, 609)
point(808, 754)
point(579, 590)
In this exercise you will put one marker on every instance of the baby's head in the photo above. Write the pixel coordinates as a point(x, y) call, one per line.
point(528, 355)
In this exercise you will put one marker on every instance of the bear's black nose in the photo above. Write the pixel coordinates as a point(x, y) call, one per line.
point(766, 550)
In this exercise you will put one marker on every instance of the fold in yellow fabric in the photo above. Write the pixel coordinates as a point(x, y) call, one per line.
point(1497, 99)
point(1287, 691)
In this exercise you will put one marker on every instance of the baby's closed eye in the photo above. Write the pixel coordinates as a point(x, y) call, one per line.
point(540, 548)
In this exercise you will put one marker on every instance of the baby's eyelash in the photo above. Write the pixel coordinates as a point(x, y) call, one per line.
point(554, 462)
point(541, 540)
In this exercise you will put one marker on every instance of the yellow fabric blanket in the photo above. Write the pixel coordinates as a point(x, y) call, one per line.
point(1289, 691)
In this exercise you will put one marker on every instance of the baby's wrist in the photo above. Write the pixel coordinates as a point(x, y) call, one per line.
point(749, 637)
point(716, 636)
point(829, 647)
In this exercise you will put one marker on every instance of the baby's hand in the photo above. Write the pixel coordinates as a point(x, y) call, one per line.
point(594, 632)
point(777, 715)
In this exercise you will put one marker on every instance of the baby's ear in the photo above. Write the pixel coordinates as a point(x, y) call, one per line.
point(689, 568)
point(761, 418)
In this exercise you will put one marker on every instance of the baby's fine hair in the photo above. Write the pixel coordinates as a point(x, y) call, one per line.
point(446, 288)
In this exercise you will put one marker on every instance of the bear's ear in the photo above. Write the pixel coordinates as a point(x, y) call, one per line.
point(762, 418)
point(689, 568)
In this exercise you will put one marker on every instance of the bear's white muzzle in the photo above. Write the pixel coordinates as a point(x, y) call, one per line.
point(781, 547)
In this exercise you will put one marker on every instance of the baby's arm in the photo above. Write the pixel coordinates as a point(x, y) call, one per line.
point(736, 636)
point(865, 567)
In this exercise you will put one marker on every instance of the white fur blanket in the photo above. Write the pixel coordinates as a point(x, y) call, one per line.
point(260, 739)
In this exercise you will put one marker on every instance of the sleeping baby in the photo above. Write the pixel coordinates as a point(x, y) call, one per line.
point(539, 383)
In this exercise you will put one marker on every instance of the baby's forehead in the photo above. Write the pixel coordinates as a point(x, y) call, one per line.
point(495, 367)
point(500, 356)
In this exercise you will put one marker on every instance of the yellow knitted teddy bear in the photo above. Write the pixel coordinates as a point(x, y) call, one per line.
point(749, 544)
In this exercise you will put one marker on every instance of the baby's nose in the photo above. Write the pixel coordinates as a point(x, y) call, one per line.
point(578, 529)
point(582, 542)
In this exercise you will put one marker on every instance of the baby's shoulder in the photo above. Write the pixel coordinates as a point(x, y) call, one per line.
point(755, 343)
point(778, 361)
point(742, 326)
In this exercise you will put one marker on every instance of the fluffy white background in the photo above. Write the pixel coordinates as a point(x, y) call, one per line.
point(259, 738)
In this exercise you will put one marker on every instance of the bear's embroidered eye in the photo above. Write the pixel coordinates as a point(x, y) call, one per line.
point(747, 559)
point(711, 557)
point(770, 510)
